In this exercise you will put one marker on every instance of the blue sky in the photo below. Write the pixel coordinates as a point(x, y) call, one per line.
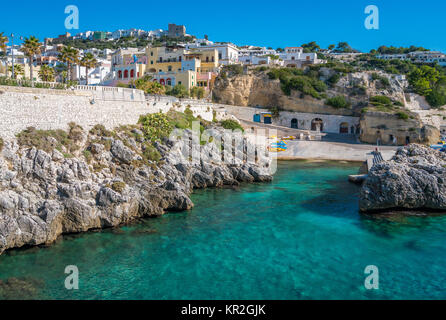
point(266, 23)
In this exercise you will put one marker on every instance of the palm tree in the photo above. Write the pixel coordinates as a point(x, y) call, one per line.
point(46, 73)
point(61, 71)
point(18, 69)
point(70, 56)
point(88, 61)
point(31, 47)
point(3, 41)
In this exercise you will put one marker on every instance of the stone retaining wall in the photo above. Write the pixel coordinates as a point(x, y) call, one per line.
point(53, 109)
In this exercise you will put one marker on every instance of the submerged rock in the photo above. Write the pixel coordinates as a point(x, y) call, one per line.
point(415, 178)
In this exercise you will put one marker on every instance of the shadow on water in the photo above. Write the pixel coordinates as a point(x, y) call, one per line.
point(26, 288)
point(338, 199)
point(394, 224)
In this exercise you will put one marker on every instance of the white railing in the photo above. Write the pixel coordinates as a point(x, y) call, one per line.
point(113, 93)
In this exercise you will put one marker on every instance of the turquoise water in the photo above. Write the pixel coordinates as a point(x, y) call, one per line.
point(300, 237)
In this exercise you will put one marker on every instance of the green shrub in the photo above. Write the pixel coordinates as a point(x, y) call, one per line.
point(334, 79)
point(197, 92)
point(99, 130)
point(1, 144)
point(122, 85)
point(233, 69)
point(88, 156)
point(232, 125)
point(261, 69)
point(118, 186)
point(380, 100)
point(155, 126)
point(32, 137)
point(296, 79)
point(338, 102)
point(383, 80)
point(436, 98)
point(150, 153)
point(178, 91)
point(402, 115)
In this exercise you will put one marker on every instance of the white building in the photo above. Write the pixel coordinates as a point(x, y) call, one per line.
point(117, 57)
point(417, 56)
point(256, 51)
point(392, 56)
point(95, 75)
point(296, 58)
point(260, 60)
point(228, 53)
point(84, 35)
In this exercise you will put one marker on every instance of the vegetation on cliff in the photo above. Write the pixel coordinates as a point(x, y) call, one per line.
point(232, 125)
point(307, 82)
point(338, 102)
point(426, 80)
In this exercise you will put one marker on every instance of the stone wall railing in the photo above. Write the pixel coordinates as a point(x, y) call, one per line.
point(95, 92)
point(113, 93)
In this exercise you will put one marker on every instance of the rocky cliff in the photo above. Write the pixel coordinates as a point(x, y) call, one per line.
point(255, 87)
point(45, 192)
point(388, 128)
point(415, 178)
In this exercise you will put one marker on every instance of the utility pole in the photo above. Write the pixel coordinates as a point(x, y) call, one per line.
point(12, 51)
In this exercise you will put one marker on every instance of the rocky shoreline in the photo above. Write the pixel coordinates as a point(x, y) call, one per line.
point(414, 179)
point(107, 182)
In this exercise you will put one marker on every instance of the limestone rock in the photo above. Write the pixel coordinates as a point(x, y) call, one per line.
point(415, 178)
point(44, 195)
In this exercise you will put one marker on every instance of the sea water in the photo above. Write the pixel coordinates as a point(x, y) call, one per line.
point(299, 237)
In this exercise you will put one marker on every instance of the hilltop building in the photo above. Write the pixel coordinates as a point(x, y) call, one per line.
point(176, 31)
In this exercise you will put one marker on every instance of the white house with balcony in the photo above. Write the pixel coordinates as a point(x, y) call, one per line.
point(228, 53)
point(294, 57)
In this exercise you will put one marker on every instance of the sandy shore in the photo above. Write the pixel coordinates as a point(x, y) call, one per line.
point(323, 150)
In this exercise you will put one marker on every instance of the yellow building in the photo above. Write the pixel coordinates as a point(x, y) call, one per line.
point(164, 59)
point(170, 65)
point(208, 59)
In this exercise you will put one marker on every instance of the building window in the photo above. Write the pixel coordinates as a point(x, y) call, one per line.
point(126, 74)
point(132, 73)
point(151, 62)
point(120, 74)
point(151, 54)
